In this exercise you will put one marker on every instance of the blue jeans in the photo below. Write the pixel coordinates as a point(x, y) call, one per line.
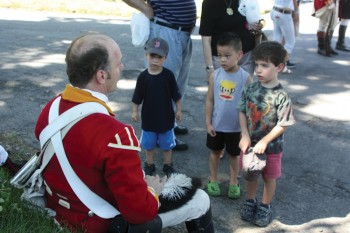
point(180, 53)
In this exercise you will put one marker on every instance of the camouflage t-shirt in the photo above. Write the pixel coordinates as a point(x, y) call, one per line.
point(265, 108)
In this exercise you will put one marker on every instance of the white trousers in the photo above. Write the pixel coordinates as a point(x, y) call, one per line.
point(283, 26)
point(195, 208)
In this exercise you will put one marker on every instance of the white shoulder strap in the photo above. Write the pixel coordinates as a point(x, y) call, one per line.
point(72, 115)
point(91, 200)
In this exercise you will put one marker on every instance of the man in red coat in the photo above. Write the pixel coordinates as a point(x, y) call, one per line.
point(326, 11)
point(344, 16)
point(102, 151)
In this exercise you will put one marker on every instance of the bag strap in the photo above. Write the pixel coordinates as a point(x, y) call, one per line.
point(90, 199)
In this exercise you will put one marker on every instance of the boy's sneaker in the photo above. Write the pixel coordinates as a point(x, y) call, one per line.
point(290, 65)
point(168, 169)
point(149, 169)
point(263, 215)
point(248, 210)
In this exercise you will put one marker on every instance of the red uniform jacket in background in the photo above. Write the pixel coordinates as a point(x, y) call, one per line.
point(318, 4)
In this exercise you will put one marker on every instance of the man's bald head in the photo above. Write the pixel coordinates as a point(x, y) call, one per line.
point(86, 55)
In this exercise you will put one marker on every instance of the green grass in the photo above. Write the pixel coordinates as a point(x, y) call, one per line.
point(16, 216)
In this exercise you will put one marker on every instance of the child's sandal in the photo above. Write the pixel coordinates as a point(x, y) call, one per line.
point(213, 188)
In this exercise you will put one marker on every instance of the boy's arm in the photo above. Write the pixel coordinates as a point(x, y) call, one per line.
point(245, 141)
point(178, 114)
point(135, 112)
point(209, 104)
point(260, 147)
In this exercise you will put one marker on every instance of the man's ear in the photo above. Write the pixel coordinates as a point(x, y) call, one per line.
point(101, 76)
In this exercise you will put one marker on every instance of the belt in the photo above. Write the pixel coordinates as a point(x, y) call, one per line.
point(283, 11)
point(169, 25)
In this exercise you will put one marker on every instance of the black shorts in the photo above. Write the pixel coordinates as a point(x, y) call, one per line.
point(230, 141)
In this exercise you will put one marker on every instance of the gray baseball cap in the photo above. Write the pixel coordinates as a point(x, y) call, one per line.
point(157, 46)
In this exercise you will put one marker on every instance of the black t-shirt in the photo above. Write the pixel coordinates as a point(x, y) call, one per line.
point(215, 21)
point(157, 93)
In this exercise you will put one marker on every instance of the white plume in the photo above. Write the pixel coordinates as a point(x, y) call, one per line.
point(174, 187)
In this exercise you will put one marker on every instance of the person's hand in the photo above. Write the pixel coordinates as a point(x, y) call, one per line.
point(178, 115)
point(244, 143)
point(260, 147)
point(258, 25)
point(135, 116)
point(156, 183)
point(211, 131)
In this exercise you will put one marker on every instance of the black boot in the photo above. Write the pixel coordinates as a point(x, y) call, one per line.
point(341, 39)
point(330, 36)
point(203, 224)
point(321, 37)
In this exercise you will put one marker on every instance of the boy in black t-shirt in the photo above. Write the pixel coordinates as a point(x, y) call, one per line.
point(156, 90)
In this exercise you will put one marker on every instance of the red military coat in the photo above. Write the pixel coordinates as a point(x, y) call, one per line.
point(93, 147)
point(318, 4)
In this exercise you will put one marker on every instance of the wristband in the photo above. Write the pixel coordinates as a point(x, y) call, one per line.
point(208, 68)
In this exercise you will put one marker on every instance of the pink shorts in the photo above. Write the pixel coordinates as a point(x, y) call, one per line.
point(273, 169)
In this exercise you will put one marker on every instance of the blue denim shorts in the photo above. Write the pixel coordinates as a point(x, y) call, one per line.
point(149, 140)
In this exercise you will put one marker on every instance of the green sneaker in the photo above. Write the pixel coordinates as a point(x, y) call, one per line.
point(213, 188)
point(234, 191)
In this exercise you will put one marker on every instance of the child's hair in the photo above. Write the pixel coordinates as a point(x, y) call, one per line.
point(230, 39)
point(270, 51)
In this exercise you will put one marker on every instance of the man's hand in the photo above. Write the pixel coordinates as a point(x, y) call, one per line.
point(156, 183)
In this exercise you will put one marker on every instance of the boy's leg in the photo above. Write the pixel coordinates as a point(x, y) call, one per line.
point(149, 167)
point(167, 156)
point(263, 215)
point(149, 156)
point(250, 204)
point(166, 143)
point(148, 143)
point(168, 167)
point(216, 145)
point(234, 167)
point(269, 190)
point(234, 190)
point(251, 189)
point(213, 186)
point(233, 150)
point(272, 171)
point(214, 160)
